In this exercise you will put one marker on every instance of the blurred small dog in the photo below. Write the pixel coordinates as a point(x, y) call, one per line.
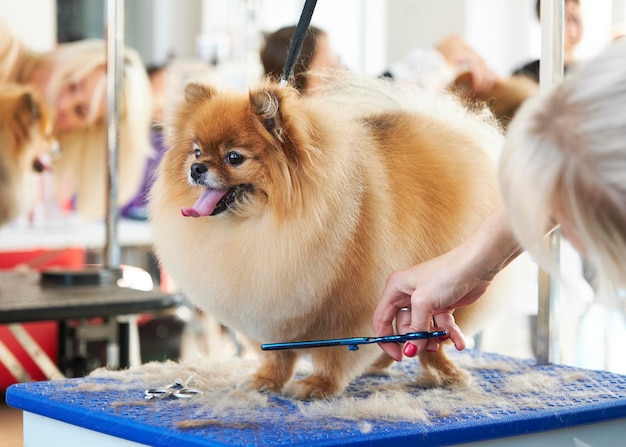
point(25, 141)
point(506, 96)
point(295, 209)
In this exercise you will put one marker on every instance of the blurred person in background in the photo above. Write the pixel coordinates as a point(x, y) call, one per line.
point(572, 35)
point(72, 79)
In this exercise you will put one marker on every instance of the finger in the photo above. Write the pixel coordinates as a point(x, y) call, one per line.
point(421, 320)
point(457, 338)
point(446, 321)
point(418, 345)
point(403, 326)
point(383, 326)
point(432, 345)
point(409, 349)
point(388, 306)
point(391, 301)
point(403, 320)
point(415, 347)
point(484, 81)
point(478, 81)
point(393, 350)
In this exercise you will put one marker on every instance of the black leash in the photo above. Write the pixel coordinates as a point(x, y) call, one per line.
point(298, 39)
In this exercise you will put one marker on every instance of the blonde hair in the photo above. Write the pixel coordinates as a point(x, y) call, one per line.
point(82, 168)
point(565, 157)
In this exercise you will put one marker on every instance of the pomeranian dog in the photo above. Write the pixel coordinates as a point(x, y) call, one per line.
point(282, 215)
point(25, 143)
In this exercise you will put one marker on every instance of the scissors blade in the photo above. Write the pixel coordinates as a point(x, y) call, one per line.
point(352, 342)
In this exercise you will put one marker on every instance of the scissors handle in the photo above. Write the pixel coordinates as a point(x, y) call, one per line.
point(353, 342)
point(177, 389)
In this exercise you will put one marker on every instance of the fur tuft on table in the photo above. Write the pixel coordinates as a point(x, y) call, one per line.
point(512, 386)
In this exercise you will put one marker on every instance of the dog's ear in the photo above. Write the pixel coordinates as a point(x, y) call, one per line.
point(195, 92)
point(27, 112)
point(266, 106)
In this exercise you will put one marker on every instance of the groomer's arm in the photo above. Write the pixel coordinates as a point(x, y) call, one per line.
point(423, 297)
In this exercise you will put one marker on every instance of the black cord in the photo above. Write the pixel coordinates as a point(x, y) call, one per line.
point(298, 39)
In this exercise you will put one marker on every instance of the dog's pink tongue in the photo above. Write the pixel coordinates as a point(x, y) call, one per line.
point(205, 205)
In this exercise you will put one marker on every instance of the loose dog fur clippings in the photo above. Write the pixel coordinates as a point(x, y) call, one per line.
point(374, 398)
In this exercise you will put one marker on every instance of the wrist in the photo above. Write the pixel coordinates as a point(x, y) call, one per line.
point(492, 246)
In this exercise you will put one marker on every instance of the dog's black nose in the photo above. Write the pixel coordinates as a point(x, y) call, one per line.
point(197, 169)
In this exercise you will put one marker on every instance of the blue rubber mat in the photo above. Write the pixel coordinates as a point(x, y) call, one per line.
point(554, 397)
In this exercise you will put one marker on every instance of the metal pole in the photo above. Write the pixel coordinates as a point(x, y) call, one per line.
point(550, 74)
point(114, 46)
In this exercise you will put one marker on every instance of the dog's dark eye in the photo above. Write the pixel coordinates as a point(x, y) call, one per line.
point(234, 158)
point(196, 150)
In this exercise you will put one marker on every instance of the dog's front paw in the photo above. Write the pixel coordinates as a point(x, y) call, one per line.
point(312, 387)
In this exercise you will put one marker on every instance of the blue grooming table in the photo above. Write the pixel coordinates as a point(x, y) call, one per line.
point(570, 407)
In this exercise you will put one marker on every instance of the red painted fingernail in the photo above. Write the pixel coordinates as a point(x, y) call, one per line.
point(410, 350)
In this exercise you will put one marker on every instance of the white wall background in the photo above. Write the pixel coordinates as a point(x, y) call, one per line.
point(368, 34)
point(37, 30)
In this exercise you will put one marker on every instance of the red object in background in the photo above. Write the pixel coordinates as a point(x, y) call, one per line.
point(45, 333)
point(39, 259)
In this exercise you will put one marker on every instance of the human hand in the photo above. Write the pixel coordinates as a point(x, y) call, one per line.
point(462, 57)
point(432, 290)
point(423, 298)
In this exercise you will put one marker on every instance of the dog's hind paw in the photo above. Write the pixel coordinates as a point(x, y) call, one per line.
point(312, 388)
point(451, 377)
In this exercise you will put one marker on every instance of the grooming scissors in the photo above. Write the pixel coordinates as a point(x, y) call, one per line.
point(352, 343)
point(178, 389)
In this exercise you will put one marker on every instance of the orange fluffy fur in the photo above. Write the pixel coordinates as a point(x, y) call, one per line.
point(342, 189)
point(25, 134)
point(504, 98)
